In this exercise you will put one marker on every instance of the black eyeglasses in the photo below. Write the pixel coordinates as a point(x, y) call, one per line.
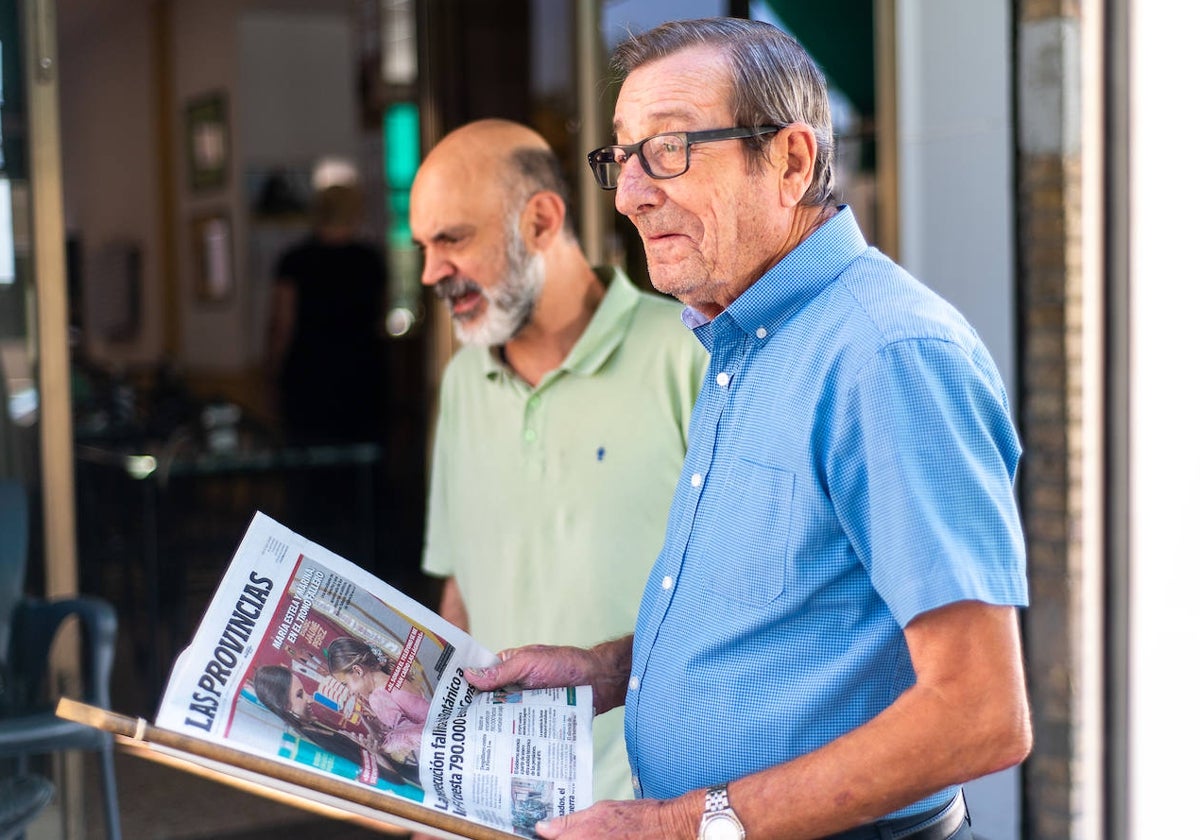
point(663, 156)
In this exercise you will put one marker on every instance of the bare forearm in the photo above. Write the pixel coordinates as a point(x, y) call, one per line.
point(900, 757)
point(614, 664)
point(605, 667)
point(452, 607)
point(965, 717)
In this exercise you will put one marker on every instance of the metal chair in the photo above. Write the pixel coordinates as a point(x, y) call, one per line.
point(28, 725)
point(21, 799)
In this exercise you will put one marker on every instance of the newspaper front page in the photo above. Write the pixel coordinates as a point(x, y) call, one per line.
point(302, 656)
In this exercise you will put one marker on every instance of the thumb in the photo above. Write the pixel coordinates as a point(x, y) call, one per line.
point(496, 675)
point(556, 827)
point(486, 678)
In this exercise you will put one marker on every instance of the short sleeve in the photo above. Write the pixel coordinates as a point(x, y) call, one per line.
point(922, 468)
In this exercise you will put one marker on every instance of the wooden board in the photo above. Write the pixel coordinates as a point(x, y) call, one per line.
point(280, 781)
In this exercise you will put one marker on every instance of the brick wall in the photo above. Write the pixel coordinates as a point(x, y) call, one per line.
point(1050, 317)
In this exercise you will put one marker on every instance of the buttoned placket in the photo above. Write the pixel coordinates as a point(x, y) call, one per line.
point(729, 354)
point(533, 425)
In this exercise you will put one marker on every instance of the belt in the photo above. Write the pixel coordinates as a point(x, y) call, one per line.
point(935, 824)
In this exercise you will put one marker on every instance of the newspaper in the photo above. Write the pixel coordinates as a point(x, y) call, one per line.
point(302, 656)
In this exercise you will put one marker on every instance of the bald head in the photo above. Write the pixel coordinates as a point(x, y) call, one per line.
point(496, 163)
point(483, 145)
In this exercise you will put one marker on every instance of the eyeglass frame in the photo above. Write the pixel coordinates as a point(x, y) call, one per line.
point(690, 138)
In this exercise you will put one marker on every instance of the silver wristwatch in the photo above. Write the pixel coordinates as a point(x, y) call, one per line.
point(719, 822)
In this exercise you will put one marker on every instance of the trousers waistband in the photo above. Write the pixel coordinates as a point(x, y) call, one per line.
point(934, 824)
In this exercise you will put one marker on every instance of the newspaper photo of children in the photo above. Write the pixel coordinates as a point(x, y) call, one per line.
point(283, 691)
point(361, 719)
point(398, 707)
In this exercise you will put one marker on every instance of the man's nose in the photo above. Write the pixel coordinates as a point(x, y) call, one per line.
point(435, 268)
point(636, 191)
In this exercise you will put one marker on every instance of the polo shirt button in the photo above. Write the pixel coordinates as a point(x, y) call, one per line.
point(696, 479)
point(761, 332)
point(667, 583)
point(634, 683)
point(530, 435)
point(534, 402)
point(723, 379)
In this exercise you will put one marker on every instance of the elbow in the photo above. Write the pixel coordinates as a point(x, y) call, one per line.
point(1015, 749)
point(1022, 742)
point(1011, 740)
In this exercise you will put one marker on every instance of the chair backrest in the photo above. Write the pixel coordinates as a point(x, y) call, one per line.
point(14, 550)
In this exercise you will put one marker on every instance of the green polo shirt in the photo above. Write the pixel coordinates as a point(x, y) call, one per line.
point(548, 505)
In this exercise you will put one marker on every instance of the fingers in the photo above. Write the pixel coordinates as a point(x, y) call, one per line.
point(609, 819)
point(488, 679)
point(551, 829)
point(534, 666)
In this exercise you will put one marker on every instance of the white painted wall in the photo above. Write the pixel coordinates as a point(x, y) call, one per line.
point(1164, 730)
point(955, 160)
point(956, 212)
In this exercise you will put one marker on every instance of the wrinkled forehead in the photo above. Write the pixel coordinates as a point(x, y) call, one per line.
point(687, 90)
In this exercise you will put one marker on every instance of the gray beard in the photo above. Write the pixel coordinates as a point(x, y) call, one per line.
point(511, 302)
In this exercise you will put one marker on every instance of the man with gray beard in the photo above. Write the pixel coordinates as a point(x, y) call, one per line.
point(562, 422)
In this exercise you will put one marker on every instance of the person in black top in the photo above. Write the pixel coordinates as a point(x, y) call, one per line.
point(326, 352)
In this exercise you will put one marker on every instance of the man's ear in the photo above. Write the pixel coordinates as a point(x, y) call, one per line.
point(798, 144)
point(543, 219)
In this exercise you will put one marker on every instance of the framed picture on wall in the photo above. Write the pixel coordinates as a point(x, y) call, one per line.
point(212, 256)
point(207, 133)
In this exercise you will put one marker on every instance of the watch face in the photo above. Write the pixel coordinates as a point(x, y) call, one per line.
point(721, 827)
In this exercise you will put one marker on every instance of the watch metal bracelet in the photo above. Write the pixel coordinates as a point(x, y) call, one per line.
point(719, 822)
point(716, 798)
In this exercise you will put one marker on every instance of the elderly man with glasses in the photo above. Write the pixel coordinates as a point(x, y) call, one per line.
point(827, 645)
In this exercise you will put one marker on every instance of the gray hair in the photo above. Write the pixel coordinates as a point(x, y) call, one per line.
point(536, 170)
point(775, 82)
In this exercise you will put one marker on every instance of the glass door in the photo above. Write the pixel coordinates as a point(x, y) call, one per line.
point(35, 401)
point(35, 435)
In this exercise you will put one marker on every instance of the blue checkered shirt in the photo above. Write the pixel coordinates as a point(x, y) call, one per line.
point(850, 465)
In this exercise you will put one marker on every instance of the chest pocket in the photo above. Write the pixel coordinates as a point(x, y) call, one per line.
point(750, 545)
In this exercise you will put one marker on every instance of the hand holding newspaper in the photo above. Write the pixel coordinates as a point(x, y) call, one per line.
point(303, 657)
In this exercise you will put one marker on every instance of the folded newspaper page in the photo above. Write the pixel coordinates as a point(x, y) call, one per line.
point(304, 657)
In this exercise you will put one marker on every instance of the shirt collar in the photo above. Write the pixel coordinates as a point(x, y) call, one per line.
point(794, 281)
point(603, 334)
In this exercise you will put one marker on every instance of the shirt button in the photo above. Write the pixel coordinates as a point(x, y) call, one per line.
point(761, 332)
point(723, 379)
point(696, 479)
point(634, 683)
point(667, 583)
point(530, 435)
point(534, 402)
